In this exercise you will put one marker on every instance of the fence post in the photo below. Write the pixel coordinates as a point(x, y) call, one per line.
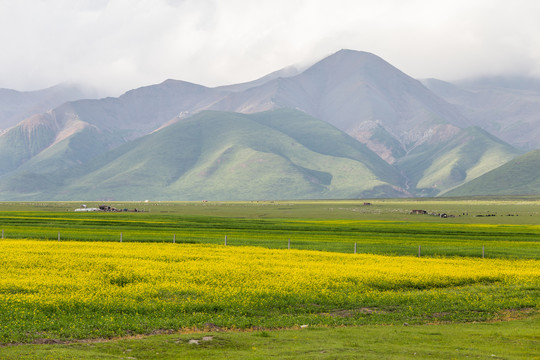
point(59, 236)
point(483, 253)
point(355, 248)
point(289, 244)
point(174, 238)
point(419, 250)
point(121, 237)
point(2, 234)
point(225, 240)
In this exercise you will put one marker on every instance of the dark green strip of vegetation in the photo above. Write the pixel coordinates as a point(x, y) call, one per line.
point(376, 237)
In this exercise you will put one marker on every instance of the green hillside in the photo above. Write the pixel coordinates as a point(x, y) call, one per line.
point(437, 166)
point(280, 154)
point(49, 170)
point(519, 176)
point(326, 140)
point(228, 156)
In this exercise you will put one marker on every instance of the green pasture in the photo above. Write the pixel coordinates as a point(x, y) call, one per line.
point(501, 340)
point(495, 228)
point(502, 210)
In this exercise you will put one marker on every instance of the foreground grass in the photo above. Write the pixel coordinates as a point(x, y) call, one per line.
point(77, 290)
point(502, 340)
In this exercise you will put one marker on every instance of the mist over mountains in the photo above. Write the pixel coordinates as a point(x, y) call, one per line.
point(16, 106)
point(349, 126)
point(507, 107)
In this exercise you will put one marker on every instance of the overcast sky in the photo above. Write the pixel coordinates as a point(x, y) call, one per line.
point(117, 45)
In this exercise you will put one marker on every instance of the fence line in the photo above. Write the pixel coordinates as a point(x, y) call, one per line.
point(252, 242)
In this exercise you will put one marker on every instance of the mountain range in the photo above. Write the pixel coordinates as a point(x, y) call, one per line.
point(16, 106)
point(507, 107)
point(349, 126)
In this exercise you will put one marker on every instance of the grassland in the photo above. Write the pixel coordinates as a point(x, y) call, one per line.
point(516, 339)
point(506, 229)
point(91, 286)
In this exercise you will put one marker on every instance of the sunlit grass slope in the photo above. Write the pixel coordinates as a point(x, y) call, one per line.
point(519, 176)
point(434, 169)
point(217, 155)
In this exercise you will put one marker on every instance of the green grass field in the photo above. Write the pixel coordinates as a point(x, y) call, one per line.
point(522, 210)
point(370, 310)
point(507, 229)
point(518, 339)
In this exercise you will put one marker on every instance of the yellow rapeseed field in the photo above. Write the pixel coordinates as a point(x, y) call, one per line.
point(90, 289)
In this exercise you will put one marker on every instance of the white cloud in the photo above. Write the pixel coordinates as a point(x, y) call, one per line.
point(122, 44)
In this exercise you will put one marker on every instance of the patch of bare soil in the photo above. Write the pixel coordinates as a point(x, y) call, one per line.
point(354, 312)
point(516, 314)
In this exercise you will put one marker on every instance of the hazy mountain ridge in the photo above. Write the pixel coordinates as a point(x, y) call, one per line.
point(507, 107)
point(16, 106)
point(350, 89)
point(413, 142)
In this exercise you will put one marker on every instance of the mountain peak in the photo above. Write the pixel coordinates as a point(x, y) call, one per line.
point(348, 55)
point(345, 63)
point(351, 52)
